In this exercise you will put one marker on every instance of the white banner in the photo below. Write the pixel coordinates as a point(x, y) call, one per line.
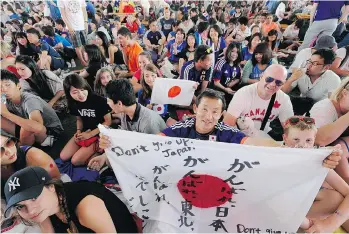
point(203, 186)
point(173, 91)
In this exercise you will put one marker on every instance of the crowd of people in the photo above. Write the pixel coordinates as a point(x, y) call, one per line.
point(268, 73)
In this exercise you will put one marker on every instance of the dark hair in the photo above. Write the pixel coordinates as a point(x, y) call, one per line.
point(262, 48)
point(48, 30)
point(34, 31)
point(10, 8)
point(272, 32)
point(252, 37)
point(185, 17)
point(265, 14)
point(202, 52)
point(194, 10)
point(94, 53)
point(213, 94)
point(32, 19)
point(299, 23)
point(195, 19)
point(7, 75)
point(38, 80)
point(146, 89)
point(175, 24)
point(76, 81)
point(121, 90)
point(217, 29)
point(327, 54)
point(233, 21)
point(228, 51)
point(181, 31)
point(202, 26)
point(123, 31)
point(50, 19)
point(60, 22)
point(105, 42)
point(243, 20)
point(212, 21)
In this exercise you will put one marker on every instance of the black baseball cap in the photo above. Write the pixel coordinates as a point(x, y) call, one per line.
point(25, 184)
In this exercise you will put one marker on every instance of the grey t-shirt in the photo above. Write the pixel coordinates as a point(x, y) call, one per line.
point(144, 121)
point(53, 81)
point(30, 103)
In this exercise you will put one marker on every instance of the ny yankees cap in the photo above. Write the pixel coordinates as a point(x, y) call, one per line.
point(24, 184)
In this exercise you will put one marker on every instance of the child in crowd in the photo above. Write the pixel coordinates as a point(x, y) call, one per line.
point(154, 40)
point(300, 132)
point(90, 110)
point(149, 74)
point(103, 76)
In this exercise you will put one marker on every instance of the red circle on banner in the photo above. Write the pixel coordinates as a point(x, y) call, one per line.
point(174, 91)
point(159, 108)
point(204, 191)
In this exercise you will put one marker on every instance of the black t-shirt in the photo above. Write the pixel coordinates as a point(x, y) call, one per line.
point(92, 70)
point(75, 192)
point(92, 111)
point(166, 25)
point(118, 57)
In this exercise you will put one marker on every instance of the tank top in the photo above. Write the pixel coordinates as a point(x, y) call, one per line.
point(75, 192)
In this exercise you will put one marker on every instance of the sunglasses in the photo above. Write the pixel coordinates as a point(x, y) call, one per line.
point(296, 120)
point(271, 79)
point(8, 144)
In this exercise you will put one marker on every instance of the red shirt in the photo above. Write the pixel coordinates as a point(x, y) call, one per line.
point(132, 27)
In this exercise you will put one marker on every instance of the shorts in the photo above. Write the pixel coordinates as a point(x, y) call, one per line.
point(79, 38)
point(55, 132)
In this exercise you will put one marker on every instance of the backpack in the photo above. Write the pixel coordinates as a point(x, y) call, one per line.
point(345, 59)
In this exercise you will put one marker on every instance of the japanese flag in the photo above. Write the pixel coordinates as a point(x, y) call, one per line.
point(159, 108)
point(171, 91)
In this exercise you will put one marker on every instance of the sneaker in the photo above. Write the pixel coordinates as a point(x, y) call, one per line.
point(73, 64)
point(68, 64)
point(48, 141)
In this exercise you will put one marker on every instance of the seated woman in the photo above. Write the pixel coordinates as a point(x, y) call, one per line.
point(144, 58)
point(247, 51)
point(90, 110)
point(216, 40)
point(50, 59)
point(42, 83)
point(227, 72)
point(110, 51)
point(332, 120)
point(15, 158)
point(188, 53)
point(73, 207)
point(261, 60)
point(272, 40)
point(300, 132)
point(103, 76)
point(149, 74)
point(23, 46)
point(7, 59)
point(96, 61)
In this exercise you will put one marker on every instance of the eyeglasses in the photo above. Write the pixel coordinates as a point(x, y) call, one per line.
point(314, 63)
point(8, 144)
point(271, 79)
point(295, 120)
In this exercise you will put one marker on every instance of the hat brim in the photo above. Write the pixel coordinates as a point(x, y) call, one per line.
point(30, 193)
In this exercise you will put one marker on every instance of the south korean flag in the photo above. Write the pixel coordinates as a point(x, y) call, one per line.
point(159, 108)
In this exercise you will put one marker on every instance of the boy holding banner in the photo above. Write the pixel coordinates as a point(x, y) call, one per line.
point(300, 132)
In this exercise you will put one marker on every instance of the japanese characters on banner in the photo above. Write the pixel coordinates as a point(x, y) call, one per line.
point(185, 185)
point(173, 91)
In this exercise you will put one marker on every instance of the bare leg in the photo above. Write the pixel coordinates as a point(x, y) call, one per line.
point(69, 150)
point(343, 167)
point(83, 154)
point(326, 202)
point(81, 58)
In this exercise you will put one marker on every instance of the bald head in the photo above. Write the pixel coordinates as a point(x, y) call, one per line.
point(276, 71)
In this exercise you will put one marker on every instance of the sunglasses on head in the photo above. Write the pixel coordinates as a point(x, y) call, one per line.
point(271, 79)
point(295, 120)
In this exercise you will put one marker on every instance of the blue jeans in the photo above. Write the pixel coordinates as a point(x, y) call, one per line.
point(344, 42)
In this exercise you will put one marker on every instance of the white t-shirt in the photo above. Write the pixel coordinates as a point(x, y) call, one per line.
point(301, 58)
point(324, 113)
point(73, 11)
point(320, 89)
point(291, 32)
point(280, 10)
point(341, 54)
point(246, 102)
